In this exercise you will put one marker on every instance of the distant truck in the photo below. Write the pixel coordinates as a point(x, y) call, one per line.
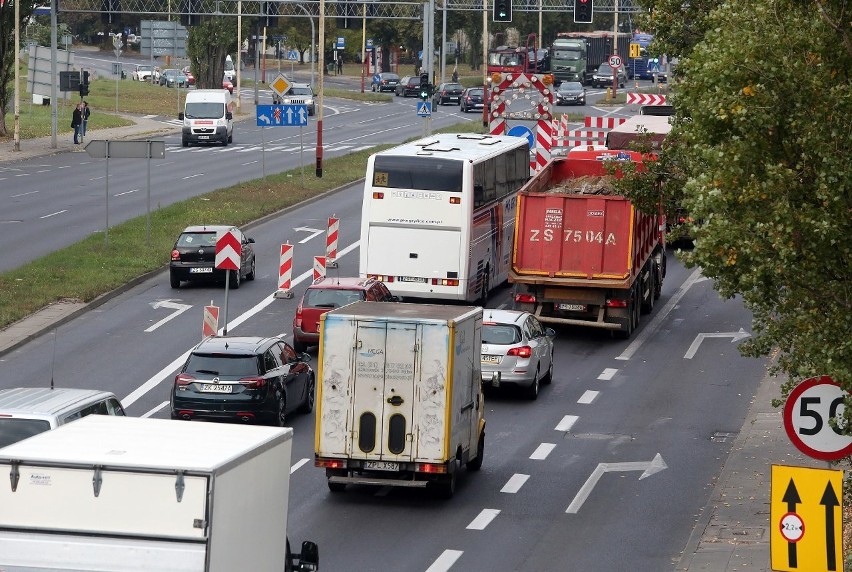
point(583, 255)
point(576, 56)
point(124, 493)
point(400, 400)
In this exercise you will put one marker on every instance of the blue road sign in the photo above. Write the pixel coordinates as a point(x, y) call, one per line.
point(293, 115)
point(424, 109)
point(523, 131)
point(341, 42)
point(293, 56)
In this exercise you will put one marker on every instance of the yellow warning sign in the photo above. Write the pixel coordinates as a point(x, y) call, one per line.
point(806, 522)
point(280, 85)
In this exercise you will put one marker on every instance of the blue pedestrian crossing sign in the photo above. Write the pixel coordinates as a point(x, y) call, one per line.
point(293, 115)
point(424, 109)
point(293, 56)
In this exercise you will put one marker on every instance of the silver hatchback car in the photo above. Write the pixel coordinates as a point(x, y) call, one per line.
point(516, 350)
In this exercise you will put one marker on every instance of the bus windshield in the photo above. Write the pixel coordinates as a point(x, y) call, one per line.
point(418, 173)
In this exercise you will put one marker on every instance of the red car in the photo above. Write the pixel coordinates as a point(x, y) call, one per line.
point(226, 84)
point(329, 293)
point(190, 79)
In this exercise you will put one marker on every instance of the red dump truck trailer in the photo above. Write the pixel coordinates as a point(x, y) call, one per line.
point(583, 255)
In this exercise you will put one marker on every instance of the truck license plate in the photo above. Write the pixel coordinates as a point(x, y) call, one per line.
point(381, 465)
point(205, 270)
point(573, 307)
point(411, 279)
point(215, 388)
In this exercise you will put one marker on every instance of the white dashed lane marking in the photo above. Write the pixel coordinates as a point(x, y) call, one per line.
point(445, 561)
point(566, 423)
point(542, 451)
point(607, 374)
point(483, 519)
point(515, 483)
point(588, 397)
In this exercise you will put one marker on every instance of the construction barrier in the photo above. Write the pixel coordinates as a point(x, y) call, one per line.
point(285, 272)
point(331, 242)
point(319, 268)
point(210, 324)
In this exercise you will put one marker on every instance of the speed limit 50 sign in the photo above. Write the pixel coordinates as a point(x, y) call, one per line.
point(807, 412)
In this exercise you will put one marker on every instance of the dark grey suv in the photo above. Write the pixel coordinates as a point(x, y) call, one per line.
point(194, 256)
point(248, 379)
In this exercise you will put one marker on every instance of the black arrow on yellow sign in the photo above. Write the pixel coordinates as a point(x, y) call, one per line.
point(829, 500)
point(791, 497)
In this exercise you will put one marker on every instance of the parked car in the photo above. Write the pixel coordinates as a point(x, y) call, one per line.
point(571, 93)
point(249, 379)
point(300, 94)
point(28, 411)
point(471, 99)
point(449, 92)
point(385, 81)
point(194, 256)
point(141, 72)
point(173, 78)
point(227, 84)
point(190, 79)
point(516, 350)
point(327, 294)
point(409, 85)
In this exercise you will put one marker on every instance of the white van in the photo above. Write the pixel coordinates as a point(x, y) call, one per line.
point(230, 72)
point(208, 117)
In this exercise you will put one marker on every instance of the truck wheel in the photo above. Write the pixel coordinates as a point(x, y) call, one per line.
point(648, 293)
point(486, 285)
point(446, 488)
point(185, 142)
point(476, 463)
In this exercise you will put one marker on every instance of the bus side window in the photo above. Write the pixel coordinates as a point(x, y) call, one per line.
point(500, 172)
point(490, 183)
point(478, 185)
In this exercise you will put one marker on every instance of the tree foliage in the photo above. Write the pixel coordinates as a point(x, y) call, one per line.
point(207, 46)
point(7, 53)
point(762, 143)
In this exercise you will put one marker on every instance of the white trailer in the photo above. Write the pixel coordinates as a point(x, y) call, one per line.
point(121, 493)
point(400, 399)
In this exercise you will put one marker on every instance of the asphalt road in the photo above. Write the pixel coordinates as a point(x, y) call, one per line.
point(641, 402)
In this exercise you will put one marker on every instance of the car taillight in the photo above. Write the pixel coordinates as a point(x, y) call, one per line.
point(523, 351)
point(525, 298)
point(184, 379)
point(175, 254)
point(298, 319)
point(615, 303)
point(253, 382)
point(330, 463)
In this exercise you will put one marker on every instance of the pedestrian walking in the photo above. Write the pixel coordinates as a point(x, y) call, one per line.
point(455, 75)
point(339, 65)
point(77, 122)
point(86, 113)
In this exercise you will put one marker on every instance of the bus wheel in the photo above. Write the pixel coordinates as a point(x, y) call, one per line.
point(485, 287)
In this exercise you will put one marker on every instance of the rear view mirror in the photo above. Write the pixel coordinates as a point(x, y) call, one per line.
point(550, 332)
point(180, 115)
point(228, 115)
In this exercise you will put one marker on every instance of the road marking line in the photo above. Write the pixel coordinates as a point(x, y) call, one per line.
point(161, 375)
point(43, 171)
point(249, 163)
point(542, 451)
point(22, 194)
point(655, 324)
point(607, 374)
point(297, 465)
point(154, 410)
point(23, 175)
point(54, 214)
point(483, 519)
point(193, 176)
point(588, 397)
point(445, 561)
point(126, 192)
point(514, 484)
point(566, 423)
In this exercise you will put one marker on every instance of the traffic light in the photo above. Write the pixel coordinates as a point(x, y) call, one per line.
point(424, 79)
point(583, 11)
point(425, 91)
point(84, 90)
point(269, 14)
point(84, 83)
point(502, 11)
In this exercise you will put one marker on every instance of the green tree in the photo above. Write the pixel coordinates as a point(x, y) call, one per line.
point(207, 46)
point(762, 142)
point(7, 53)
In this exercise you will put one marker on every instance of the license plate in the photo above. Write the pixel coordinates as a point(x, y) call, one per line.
point(411, 279)
point(572, 307)
point(490, 359)
point(215, 388)
point(204, 137)
point(454, 98)
point(200, 270)
point(381, 466)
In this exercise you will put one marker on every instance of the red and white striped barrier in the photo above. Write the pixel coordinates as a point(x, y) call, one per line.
point(603, 122)
point(646, 98)
point(594, 133)
point(210, 325)
point(319, 268)
point(331, 242)
point(285, 272)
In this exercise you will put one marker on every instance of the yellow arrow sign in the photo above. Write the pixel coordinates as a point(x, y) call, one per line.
point(806, 522)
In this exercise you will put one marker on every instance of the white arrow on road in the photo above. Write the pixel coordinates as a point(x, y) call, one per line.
point(648, 468)
point(178, 310)
point(735, 337)
point(314, 233)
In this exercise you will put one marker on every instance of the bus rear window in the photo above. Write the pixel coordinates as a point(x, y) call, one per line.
point(418, 173)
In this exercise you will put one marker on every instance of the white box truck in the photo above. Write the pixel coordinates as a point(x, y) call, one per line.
point(122, 493)
point(400, 399)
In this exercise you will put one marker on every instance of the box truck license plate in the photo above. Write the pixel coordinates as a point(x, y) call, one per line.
point(573, 307)
point(381, 466)
point(200, 270)
point(215, 388)
point(411, 279)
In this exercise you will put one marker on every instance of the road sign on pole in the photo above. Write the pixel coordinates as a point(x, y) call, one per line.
point(614, 61)
point(228, 251)
point(280, 85)
point(806, 519)
point(287, 115)
point(424, 109)
point(807, 419)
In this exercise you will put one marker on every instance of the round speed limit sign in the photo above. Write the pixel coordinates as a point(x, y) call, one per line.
point(807, 412)
point(614, 61)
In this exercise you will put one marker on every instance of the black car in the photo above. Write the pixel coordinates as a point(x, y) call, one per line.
point(248, 379)
point(409, 85)
point(449, 92)
point(471, 99)
point(194, 256)
point(385, 81)
point(571, 93)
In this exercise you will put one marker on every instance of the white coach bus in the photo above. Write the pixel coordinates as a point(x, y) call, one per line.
point(439, 214)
